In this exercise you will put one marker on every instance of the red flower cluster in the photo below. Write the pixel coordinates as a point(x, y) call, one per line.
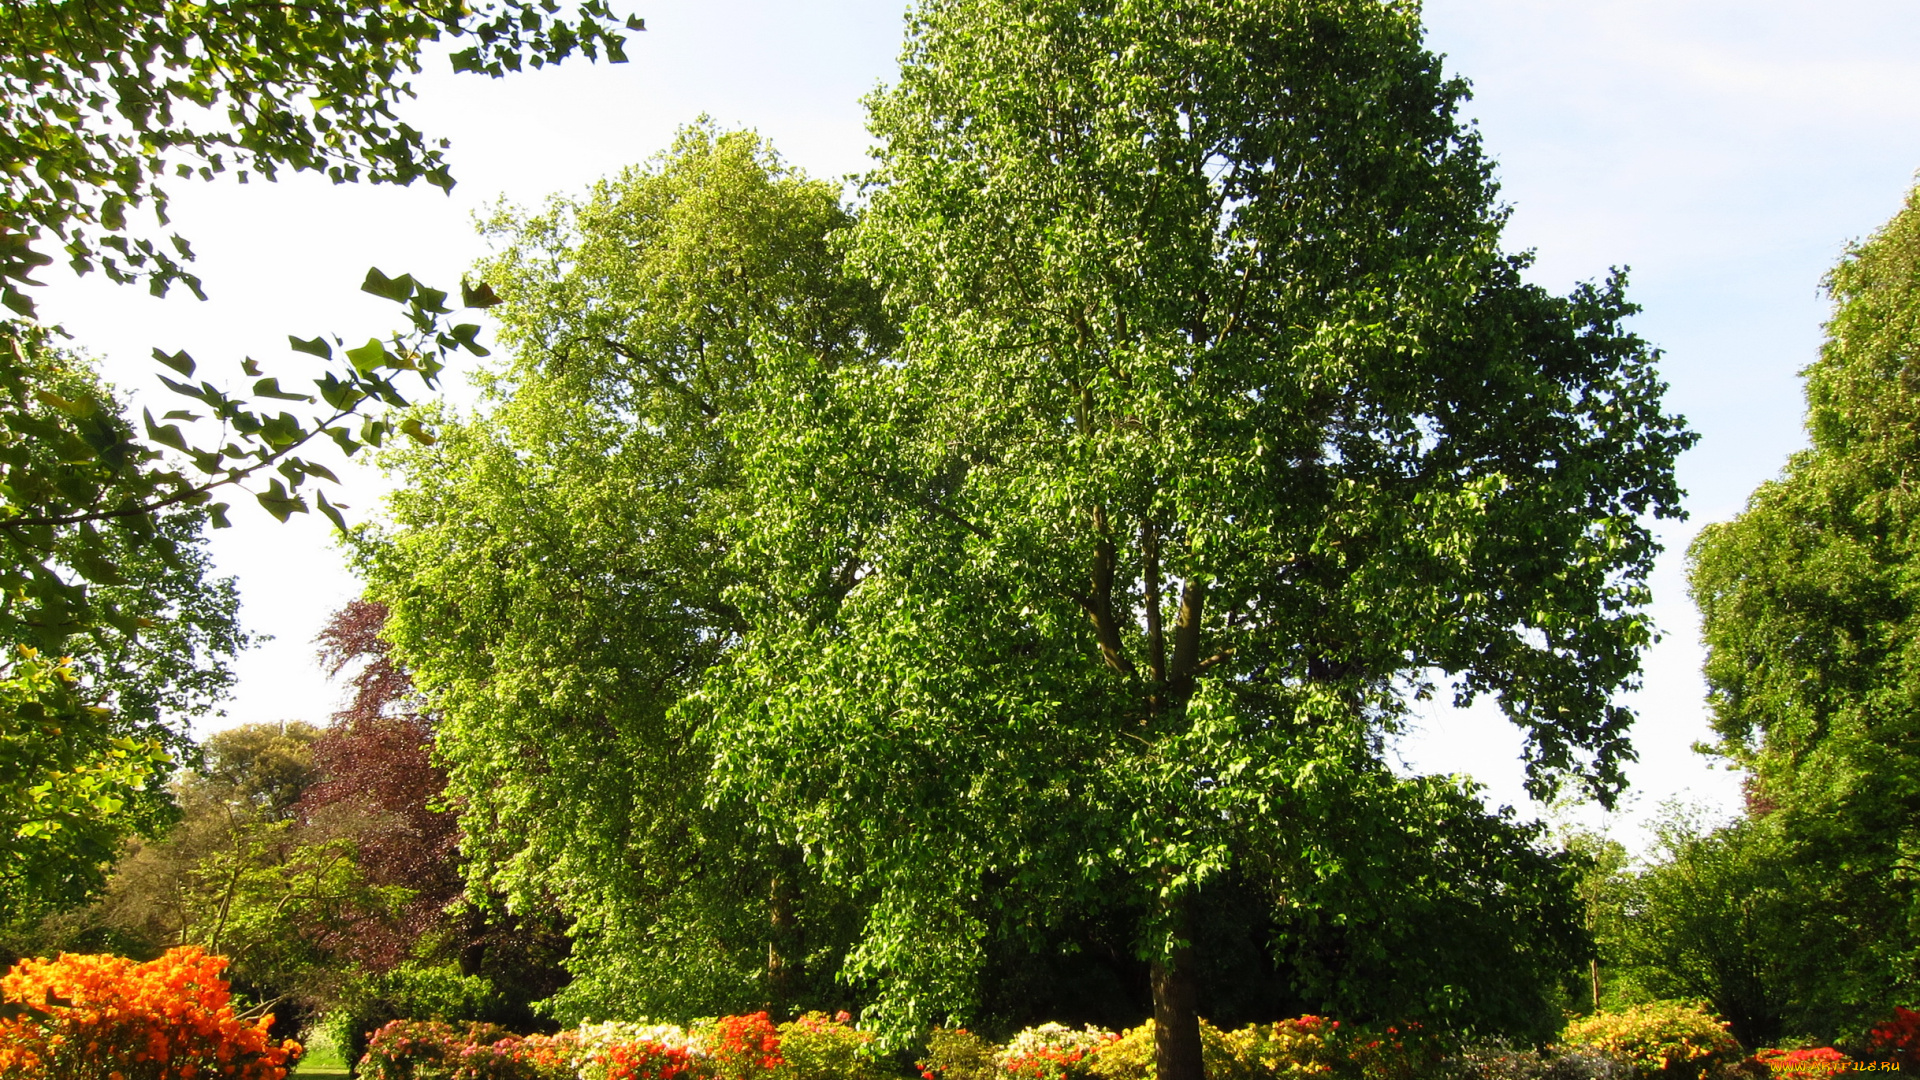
point(1898, 1038)
point(1813, 1064)
point(645, 1060)
point(1045, 1063)
point(168, 1019)
point(744, 1045)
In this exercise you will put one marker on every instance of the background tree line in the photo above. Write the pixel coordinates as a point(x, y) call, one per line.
point(1799, 918)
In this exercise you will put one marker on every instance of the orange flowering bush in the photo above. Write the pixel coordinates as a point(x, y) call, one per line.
point(644, 1059)
point(110, 1018)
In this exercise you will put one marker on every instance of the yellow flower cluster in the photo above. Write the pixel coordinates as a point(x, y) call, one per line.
point(1656, 1035)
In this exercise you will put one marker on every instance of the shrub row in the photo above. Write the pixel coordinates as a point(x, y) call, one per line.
point(1666, 1040)
point(750, 1047)
point(110, 1018)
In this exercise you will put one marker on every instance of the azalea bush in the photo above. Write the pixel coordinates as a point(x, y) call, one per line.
point(1897, 1040)
point(640, 1059)
point(1670, 1038)
point(84, 1017)
point(740, 1047)
point(1306, 1046)
point(436, 1050)
point(1813, 1063)
point(624, 1050)
point(816, 1046)
point(1052, 1052)
point(1129, 1056)
point(958, 1054)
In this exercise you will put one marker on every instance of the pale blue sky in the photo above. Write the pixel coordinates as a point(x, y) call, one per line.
point(1725, 151)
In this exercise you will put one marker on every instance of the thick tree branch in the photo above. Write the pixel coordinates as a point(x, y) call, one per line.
point(1150, 573)
point(926, 503)
point(1186, 634)
point(664, 377)
point(1098, 604)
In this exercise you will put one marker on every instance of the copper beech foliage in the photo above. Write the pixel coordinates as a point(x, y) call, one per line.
point(379, 785)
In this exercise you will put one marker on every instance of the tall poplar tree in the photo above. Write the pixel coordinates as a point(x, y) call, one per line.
point(1221, 430)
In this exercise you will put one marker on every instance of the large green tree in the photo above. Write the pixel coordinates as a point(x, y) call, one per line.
point(1811, 619)
point(1221, 430)
point(556, 573)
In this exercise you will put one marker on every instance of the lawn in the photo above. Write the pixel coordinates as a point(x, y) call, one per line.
point(322, 1060)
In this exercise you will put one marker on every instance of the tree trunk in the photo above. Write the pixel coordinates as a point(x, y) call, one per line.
point(1176, 996)
point(781, 962)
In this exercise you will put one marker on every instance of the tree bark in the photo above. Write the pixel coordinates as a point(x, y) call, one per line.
point(1176, 996)
point(782, 965)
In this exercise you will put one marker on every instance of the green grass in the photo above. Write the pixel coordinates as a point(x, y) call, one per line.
point(322, 1060)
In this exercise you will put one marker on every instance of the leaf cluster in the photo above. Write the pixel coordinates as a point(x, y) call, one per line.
point(101, 102)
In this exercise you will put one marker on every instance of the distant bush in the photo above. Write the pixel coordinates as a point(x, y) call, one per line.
point(86, 1017)
point(1302, 1047)
point(816, 1046)
point(1495, 1059)
point(411, 991)
point(958, 1054)
point(1660, 1038)
point(436, 1050)
point(1589, 1064)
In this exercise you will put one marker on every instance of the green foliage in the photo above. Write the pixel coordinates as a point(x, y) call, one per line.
point(1603, 888)
point(1810, 619)
point(108, 99)
point(1219, 421)
point(411, 991)
point(238, 876)
point(815, 1046)
point(1720, 916)
point(1660, 1038)
point(957, 1054)
point(143, 631)
point(70, 786)
point(557, 583)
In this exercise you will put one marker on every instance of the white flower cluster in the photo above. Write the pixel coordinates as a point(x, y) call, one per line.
point(594, 1038)
point(1057, 1037)
point(607, 1032)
